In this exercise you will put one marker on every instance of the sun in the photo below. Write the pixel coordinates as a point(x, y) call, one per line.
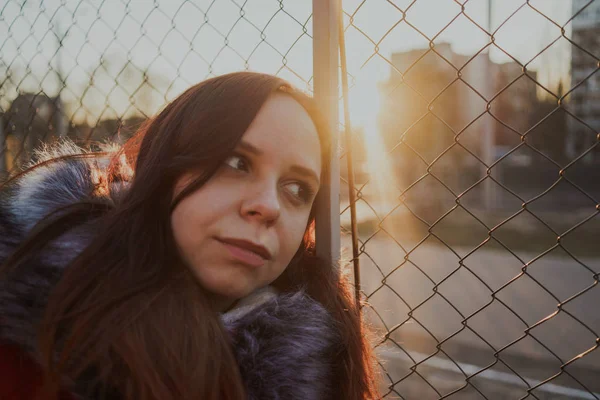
point(364, 109)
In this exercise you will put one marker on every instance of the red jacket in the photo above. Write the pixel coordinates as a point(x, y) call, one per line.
point(20, 376)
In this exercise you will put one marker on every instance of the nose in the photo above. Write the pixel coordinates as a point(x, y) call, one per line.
point(262, 204)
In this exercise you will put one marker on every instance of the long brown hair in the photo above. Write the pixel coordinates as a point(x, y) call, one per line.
point(127, 315)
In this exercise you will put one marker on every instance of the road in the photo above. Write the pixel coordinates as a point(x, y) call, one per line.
point(442, 294)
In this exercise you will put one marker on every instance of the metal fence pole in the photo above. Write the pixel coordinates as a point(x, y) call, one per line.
point(325, 78)
point(488, 142)
point(349, 160)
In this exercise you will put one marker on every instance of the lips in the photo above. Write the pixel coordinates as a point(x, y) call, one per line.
point(246, 251)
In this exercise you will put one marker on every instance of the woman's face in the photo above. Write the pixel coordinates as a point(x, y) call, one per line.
point(240, 230)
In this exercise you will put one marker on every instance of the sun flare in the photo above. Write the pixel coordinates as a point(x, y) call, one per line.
point(364, 107)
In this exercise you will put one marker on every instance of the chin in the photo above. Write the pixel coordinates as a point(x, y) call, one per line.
point(231, 283)
point(233, 291)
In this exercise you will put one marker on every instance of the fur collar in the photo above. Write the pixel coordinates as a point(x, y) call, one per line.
point(283, 342)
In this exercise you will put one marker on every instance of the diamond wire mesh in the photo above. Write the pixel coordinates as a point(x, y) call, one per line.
point(94, 71)
point(477, 196)
point(466, 307)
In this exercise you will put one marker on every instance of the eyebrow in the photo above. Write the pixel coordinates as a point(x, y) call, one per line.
point(297, 169)
point(307, 172)
point(250, 148)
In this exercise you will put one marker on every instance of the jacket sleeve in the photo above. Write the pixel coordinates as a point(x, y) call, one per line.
point(24, 291)
point(24, 202)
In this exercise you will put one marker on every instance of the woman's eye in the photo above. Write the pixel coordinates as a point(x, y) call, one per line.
point(237, 162)
point(299, 190)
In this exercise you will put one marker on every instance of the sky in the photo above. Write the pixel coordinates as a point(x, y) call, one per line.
point(181, 42)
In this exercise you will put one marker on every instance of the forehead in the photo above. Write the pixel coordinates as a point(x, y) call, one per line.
point(283, 130)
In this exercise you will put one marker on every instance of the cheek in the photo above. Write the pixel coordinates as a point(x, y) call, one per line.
point(201, 208)
point(197, 217)
point(189, 220)
point(181, 229)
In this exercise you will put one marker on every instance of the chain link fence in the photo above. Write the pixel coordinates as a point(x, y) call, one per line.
point(93, 70)
point(476, 193)
point(474, 172)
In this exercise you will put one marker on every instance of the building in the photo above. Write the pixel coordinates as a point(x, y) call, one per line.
point(432, 98)
point(430, 83)
point(584, 101)
point(516, 107)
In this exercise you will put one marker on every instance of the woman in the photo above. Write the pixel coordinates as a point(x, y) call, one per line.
point(182, 265)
